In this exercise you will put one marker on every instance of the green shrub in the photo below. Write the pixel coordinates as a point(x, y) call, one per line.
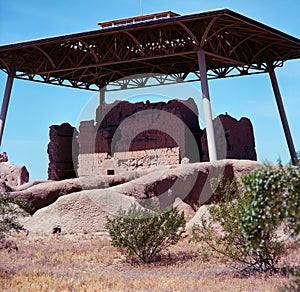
point(274, 197)
point(249, 216)
point(145, 232)
point(10, 211)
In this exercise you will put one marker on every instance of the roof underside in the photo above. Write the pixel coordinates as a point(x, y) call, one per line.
point(234, 45)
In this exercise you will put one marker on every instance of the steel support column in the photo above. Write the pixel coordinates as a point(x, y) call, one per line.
point(283, 117)
point(5, 102)
point(102, 96)
point(207, 107)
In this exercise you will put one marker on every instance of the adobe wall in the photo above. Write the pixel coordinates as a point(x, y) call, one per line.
point(11, 175)
point(239, 139)
point(60, 147)
point(128, 136)
point(122, 138)
point(103, 164)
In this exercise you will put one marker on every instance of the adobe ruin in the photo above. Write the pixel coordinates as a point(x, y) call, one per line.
point(60, 149)
point(239, 136)
point(103, 147)
point(108, 145)
point(11, 175)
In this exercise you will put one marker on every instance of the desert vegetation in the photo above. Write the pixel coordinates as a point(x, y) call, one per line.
point(245, 226)
point(10, 210)
point(88, 262)
point(247, 242)
point(146, 232)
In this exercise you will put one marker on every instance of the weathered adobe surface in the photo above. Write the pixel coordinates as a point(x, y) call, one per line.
point(40, 194)
point(110, 116)
point(97, 140)
point(86, 210)
point(107, 146)
point(60, 151)
point(160, 185)
point(236, 135)
point(163, 139)
point(11, 175)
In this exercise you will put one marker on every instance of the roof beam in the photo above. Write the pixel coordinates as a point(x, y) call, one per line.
point(142, 52)
point(47, 56)
point(194, 38)
point(263, 49)
point(204, 37)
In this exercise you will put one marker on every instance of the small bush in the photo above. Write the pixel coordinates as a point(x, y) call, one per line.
point(249, 216)
point(145, 232)
point(274, 197)
point(10, 210)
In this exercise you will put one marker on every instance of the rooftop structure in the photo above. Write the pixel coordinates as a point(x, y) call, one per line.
point(200, 46)
point(137, 19)
point(234, 45)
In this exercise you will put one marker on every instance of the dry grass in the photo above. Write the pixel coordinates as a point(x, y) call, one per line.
point(89, 263)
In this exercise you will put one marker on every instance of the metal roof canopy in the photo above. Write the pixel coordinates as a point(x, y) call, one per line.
point(201, 46)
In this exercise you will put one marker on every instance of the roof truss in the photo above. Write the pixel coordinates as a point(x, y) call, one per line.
point(234, 46)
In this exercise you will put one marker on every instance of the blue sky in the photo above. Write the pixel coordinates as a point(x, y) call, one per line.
point(34, 107)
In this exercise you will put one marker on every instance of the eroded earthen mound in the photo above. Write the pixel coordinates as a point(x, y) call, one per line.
point(86, 210)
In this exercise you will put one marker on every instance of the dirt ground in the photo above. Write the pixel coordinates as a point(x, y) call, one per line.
point(87, 262)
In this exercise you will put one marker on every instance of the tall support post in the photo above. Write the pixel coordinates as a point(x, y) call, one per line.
point(207, 107)
point(102, 96)
point(283, 117)
point(5, 102)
